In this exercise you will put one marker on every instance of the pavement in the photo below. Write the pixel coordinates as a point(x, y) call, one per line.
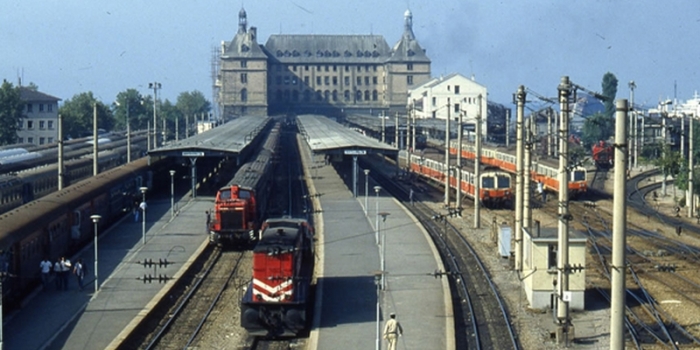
point(350, 308)
point(85, 319)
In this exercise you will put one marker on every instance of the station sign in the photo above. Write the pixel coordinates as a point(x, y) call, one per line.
point(355, 152)
point(192, 154)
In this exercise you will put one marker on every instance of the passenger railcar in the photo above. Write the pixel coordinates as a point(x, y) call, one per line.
point(277, 301)
point(240, 205)
point(496, 189)
point(59, 224)
point(28, 185)
point(545, 171)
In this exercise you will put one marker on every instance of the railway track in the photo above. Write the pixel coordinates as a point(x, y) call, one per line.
point(657, 262)
point(481, 316)
point(181, 330)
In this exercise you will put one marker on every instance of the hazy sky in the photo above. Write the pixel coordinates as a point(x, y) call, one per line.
point(67, 47)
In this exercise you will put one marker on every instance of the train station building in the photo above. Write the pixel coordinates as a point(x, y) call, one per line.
point(314, 73)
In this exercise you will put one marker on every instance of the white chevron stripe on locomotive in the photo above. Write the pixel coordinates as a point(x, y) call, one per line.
point(269, 289)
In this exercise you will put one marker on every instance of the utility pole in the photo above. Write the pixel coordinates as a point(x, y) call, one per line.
point(519, 116)
point(60, 152)
point(413, 125)
point(155, 86)
point(447, 156)
point(396, 131)
point(383, 128)
point(527, 173)
point(477, 167)
point(691, 193)
point(458, 200)
point(95, 170)
point(564, 216)
point(507, 128)
point(550, 133)
point(632, 128)
point(128, 133)
point(618, 268)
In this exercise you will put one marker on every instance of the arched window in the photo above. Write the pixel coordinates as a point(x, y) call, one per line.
point(366, 95)
point(326, 95)
point(358, 95)
point(347, 95)
point(335, 95)
point(319, 96)
point(375, 95)
point(244, 95)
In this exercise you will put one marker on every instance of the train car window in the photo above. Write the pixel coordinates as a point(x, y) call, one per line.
point(244, 194)
point(579, 175)
point(503, 181)
point(225, 194)
point(487, 182)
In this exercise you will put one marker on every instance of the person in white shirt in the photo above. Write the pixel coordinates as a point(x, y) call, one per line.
point(45, 266)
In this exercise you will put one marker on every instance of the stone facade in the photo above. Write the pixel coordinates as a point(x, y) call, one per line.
point(326, 74)
point(39, 124)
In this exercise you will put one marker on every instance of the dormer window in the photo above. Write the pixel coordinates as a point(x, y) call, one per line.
point(245, 48)
point(280, 53)
point(375, 53)
point(348, 53)
point(296, 53)
point(411, 53)
point(359, 53)
point(319, 53)
point(336, 53)
point(368, 54)
point(287, 53)
point(327, 53)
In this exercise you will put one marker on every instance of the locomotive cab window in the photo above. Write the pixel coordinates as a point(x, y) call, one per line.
point(487, 182)
point(225, 194)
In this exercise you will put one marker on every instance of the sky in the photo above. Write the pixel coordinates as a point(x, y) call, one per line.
point(72, 46)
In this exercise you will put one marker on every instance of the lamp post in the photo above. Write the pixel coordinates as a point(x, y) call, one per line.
point(366, 187)
point(128, 131)
point(377, 281)
point(383, 257)
point(376, 223)
point(95, 220)
point(143, 207)
point(155, 86)
point(172, 194)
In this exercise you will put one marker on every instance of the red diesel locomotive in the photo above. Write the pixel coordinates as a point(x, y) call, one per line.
point(276, 303)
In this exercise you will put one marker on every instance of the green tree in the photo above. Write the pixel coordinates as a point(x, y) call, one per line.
point(10, 113)
point(670, 163)
point(596, 127)
point(609, 92)
point(140, 110)
point(191, 103)
point(170, 113)
point(77, 114)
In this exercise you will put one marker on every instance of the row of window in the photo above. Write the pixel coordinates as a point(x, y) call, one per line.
point(327, 68)
point(42, 140)
point(43, 125)
point(327, 53)
point(49, 107)
point(327, 80)
point(327, 95)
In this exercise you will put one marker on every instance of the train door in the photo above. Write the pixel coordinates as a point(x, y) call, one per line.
point(76, 220)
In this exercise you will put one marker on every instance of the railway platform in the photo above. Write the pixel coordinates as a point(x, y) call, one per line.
point(75, 319)
point(349, 259)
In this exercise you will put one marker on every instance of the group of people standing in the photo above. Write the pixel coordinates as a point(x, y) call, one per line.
point(61, 270)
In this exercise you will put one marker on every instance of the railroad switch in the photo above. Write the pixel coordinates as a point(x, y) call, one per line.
point(440, 273)
point(666, 267)
point(160, 278)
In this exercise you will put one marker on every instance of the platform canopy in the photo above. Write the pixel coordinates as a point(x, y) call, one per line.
point(325, 135)
point(228, 139)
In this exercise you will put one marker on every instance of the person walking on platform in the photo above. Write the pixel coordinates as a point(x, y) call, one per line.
point(79, 272)
point(65, 272)
point(208, 220)
point(410, 196)
point(45, 266)
point(57, 271)
point(392, 331)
